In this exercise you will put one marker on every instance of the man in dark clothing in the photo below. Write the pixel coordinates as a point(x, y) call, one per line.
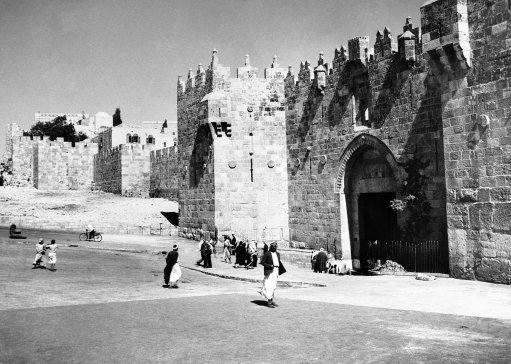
point(171, 260)
point(206, 249)
point(321, 259)
point(241, 255)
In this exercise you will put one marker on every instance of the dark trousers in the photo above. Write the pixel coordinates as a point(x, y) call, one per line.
point(207, 261)
point(166, 273)
point(254, 260)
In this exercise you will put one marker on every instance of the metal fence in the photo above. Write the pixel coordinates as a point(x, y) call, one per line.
point(425, 256)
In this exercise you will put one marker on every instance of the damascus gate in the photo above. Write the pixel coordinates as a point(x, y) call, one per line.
point(397, 148)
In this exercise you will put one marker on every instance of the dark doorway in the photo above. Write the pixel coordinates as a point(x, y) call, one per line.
point(377, 221)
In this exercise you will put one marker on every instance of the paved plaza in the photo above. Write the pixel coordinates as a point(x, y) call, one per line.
point(105, 304)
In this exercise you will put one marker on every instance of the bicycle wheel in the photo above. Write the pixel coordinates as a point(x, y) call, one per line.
point(82, 237)
point(98, 238)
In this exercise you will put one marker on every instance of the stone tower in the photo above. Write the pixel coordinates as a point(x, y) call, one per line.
point(232, 152)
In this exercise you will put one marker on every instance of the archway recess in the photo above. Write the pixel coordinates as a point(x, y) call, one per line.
point(368, 178)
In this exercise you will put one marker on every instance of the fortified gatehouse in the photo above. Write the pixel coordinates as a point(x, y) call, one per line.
point(354, 127)
point(232, 152)
point(409, 144)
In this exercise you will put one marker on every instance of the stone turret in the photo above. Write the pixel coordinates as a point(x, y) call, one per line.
point(247, 71)
point(407, 42)
point(320, 73)
point(358, 49)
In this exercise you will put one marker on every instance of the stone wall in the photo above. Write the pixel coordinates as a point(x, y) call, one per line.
point(123, 170)
point(164, 176)
point(388, 105)
point(48, 165)
point(60, 165)
point(473, 61)
point(22, 155)
point(196, 180)
point(135, 173)
point(108, 170)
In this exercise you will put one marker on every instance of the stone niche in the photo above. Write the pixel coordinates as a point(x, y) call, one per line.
point(445, 33)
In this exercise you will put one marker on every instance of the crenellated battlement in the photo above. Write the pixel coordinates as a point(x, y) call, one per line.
point(206, 80)
point(163, 154)
point(83, 146)
point(407, 45)
point(124, 149)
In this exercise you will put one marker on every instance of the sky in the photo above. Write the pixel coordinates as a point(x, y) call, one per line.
point(96, 55)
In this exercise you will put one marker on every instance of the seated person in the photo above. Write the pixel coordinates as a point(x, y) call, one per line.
point(15, 234)
point(13, 231)
point(91, 231)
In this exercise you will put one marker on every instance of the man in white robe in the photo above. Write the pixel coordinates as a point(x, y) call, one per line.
point(273, 267)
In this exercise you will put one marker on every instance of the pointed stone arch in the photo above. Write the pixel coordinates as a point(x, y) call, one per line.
point(364, 141)
point(360, 144)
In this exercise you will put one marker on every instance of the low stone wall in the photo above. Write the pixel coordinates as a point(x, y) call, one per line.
point(78, 226)
point(297, 257)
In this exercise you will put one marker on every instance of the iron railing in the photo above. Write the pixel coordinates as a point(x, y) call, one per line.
point(425, 256)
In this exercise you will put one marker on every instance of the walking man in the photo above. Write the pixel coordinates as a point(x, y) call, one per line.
point(273, 267)
point(171, 261)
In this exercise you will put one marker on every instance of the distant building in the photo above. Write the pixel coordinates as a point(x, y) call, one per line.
point(150, 134)
point(83, 122)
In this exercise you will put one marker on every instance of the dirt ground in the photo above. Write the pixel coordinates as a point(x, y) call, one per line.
point(106, 306)
point(89, 206)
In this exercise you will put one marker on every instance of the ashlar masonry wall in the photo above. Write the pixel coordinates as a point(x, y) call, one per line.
point(470, 52)
point(251, 194)
point(164, 176)
point(48, 165)
point(22, 161)
point(60, 165)
point(352, 127)
point(123, 170)
point(232, 151)
point(196, 170)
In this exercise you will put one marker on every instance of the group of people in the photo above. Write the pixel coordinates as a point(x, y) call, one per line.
point(321, 262)
point(206, 249)
point(245, 254)
point(42, 250)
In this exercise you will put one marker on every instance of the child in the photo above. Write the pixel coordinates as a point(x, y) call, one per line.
point(39, 249)
point(52, 255)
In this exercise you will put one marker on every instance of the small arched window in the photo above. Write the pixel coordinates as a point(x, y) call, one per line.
point(150, 139)
point(128, 138)
point(135, 138)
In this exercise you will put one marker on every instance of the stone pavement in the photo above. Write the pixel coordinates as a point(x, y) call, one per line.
point(443, 295)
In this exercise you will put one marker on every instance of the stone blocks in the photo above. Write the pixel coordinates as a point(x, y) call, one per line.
point(123, 170)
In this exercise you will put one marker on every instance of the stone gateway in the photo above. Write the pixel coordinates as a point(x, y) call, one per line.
point(408, 144)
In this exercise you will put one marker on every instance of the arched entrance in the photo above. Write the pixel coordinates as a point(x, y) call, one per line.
point(368, 179)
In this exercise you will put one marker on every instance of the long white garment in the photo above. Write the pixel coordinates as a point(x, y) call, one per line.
point(52, 253)
point(175, 274)
point(270, 284)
